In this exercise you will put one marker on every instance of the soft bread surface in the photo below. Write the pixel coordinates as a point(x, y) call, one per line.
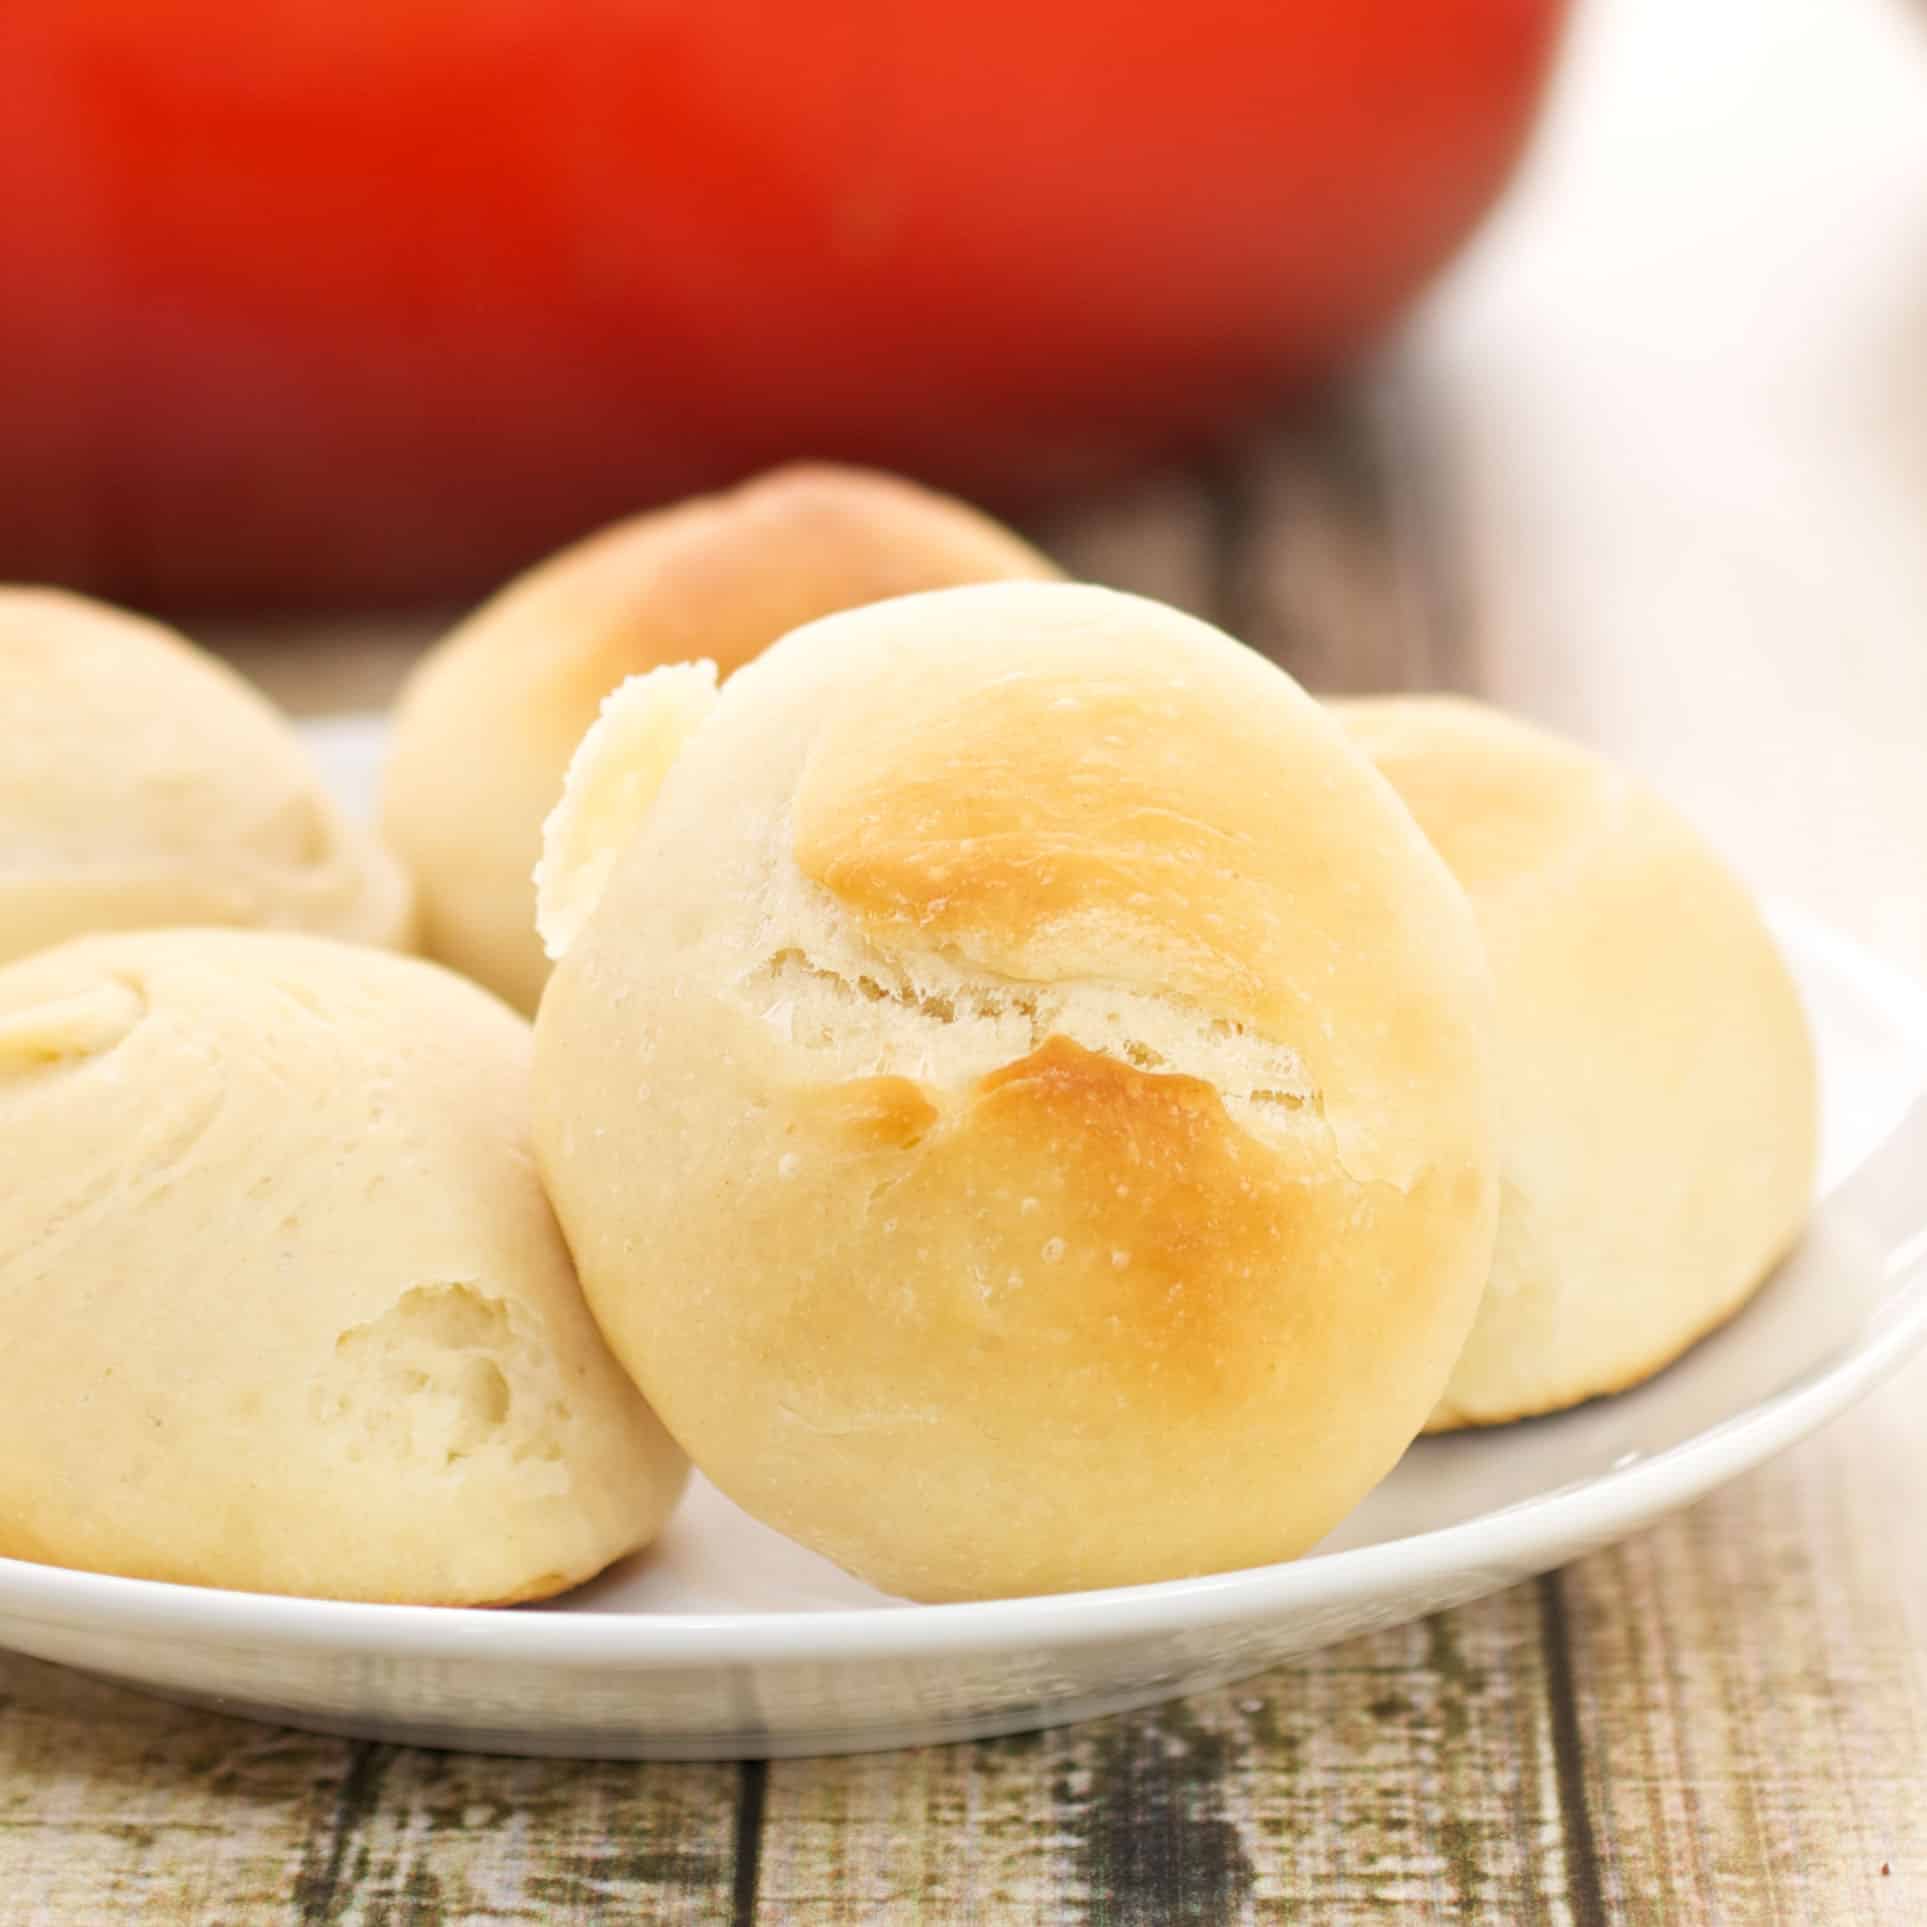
point(1658, 1109)
point(1020, 1102)
point(143, 784)
point(487, 725)
point(286, 1309)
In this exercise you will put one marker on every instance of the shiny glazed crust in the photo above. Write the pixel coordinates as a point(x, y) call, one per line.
point(1020, 1105)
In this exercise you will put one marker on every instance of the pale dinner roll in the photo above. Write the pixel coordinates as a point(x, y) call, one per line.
point(487, 724)
point(1020, 1103)
point(143, 784)
point(285, 1307)
point(1657, 1095)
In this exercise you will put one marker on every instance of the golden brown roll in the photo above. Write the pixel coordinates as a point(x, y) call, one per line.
point(1019, 1104)
point(487, 725)
point(144, 784)
point(1658, 1113)
point(285, 1307)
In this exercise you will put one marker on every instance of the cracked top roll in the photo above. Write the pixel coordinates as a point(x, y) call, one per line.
point(143, 784)
point(1016, 1086)
point(285, 1307)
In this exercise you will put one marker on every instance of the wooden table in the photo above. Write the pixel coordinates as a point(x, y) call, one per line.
point(1654, 467)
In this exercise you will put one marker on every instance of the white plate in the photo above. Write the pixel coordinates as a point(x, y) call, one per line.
point(728, 1641)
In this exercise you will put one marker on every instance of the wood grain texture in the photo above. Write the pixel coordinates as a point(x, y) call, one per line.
point(117, 1806)
point(1653, 467)
point(1412, 1771)
point(1751, 1680)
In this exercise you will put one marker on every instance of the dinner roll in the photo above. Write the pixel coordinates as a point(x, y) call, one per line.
point(1019, 1104)
point(1657, 1095)
point(487, 724)
point(142, 784)
point(285, 1308)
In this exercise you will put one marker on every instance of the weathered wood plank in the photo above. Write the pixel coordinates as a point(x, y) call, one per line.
point(113, 1806)
point(1411, 1773)
point(116, 1806)
point(1753, 1688)
point(461, 1840)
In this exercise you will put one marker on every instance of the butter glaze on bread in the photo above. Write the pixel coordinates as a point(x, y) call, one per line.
point(285, 1307)
point(1020, 1102)
point(144, 784)
point(1658, 1107)
point(487, 724)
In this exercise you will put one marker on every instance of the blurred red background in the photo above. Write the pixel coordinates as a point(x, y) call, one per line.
point(308, 303)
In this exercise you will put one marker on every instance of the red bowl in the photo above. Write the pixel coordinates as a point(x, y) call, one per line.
point(310, 302)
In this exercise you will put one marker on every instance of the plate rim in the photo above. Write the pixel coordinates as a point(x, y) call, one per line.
point(1521, 1538)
